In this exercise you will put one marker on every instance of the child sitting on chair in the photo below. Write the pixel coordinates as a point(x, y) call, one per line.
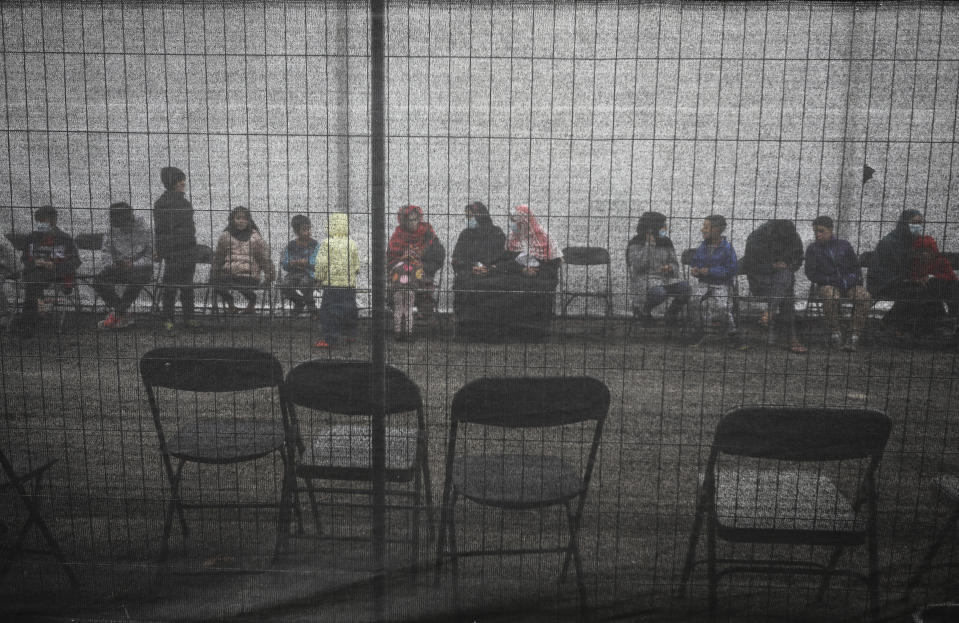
point(50, 257)
point(241, 256)
point(299, 262)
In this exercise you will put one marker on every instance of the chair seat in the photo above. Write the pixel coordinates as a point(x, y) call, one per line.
point(224, 441)
point(784, 507)
point(344, 451)
point(515, 480)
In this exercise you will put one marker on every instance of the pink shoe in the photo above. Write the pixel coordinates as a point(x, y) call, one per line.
point(110, 322)
point(322, 344)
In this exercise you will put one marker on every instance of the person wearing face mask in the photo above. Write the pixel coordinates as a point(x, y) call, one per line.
point(654, 270)
point(50, 257)
point(477, 251)
point(888, 277)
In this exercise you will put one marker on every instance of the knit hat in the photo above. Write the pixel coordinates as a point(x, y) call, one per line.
point(171, 176)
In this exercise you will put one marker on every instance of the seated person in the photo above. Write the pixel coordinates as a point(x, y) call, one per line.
point(477, 250)
point(532, 275)
point(240, 258)
point(832, 267)
point(654, 270)
point(890, 277)
point(10, 268)
point(50, 257)
point(715, 266)
point(129, 245)
point(936, 284)
point(299, 264)
point(414, 250)
point(773, 254)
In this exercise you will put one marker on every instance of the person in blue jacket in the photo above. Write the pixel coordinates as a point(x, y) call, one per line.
point(715, 265)
point(832, 267)
point(299, 264)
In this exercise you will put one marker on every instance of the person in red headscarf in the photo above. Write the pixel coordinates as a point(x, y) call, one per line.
point(934, 282)
point(413, 256)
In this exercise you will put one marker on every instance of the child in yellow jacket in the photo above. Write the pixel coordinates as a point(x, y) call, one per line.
point(337, 266)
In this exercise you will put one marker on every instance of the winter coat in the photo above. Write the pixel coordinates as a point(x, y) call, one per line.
point(833, 263)
point(338, 260)
point(890, 263)
point(721, 262)
point(485, 244)
point(237, 258)
point(173, 224)
point(773, 241)
point(55, 245)
point(133, 244)
point(644, 261)
point(9, 259)
point(294, 251)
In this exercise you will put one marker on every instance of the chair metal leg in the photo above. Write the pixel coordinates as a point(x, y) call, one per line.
point(711, 568)
point(174, 505)
point(284, 519)
point(315, 509)
point(691, 551)
point(445, 513)
point(827, 574)
point(930, 555)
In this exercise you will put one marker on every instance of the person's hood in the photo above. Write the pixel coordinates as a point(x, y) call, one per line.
point(338, 225)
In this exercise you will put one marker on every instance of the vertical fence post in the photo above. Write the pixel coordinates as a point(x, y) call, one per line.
point(378, 283)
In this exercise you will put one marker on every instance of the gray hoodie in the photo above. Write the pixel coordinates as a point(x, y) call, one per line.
point(133, 244)
point(645, 262)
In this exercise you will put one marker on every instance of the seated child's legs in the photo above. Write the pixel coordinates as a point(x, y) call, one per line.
point(830, 305)
point(403, 311)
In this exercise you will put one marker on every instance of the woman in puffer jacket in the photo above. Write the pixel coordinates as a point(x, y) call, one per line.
point(241, 257)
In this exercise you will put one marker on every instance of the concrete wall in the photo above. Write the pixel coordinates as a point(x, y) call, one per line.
point(592, 114)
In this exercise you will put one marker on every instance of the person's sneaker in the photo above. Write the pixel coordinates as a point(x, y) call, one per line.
point(110, 322)
point(852, 344)
point(835, 339)
point(322, 344)
point(168, 326)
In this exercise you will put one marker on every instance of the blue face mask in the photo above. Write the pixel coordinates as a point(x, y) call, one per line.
point(472, 223)
point(915, 229)
point(663, 232)
point(44, 227)
point(514, 227)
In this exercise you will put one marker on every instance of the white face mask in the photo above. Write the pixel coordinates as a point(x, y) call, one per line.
point(663, 232)
point(44, 227)
point(915, 229)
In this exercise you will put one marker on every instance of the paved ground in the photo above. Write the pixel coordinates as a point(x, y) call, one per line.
point(78, 397)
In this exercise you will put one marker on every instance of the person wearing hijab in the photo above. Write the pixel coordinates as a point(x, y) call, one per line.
point(531, 241)
point(477, 252)
point(774, 252)
point(935, 283)
point(413, 257)
point(240, 258)
point(888, 278)
point(654, 270)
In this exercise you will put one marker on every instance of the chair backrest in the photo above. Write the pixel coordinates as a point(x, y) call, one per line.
point(531, 402)
point(802, 434)
point(89, 242)
point(222, 369)
point(18, 240)
point(345, 387)
point(585, 256)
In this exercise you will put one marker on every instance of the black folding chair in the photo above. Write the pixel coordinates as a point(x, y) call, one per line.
point(217, 441)
point(587, 256)
point(500, 414)
point(19, 478)
point(773, 477)
point(948, 486)
point(343, 451)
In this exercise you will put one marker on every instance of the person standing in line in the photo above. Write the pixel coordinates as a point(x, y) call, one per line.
point(175, 234)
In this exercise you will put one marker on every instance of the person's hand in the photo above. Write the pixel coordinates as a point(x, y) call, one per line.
point(666, 269)
point(697, 272)
point(531, 271)
point(126, 264)
point(780, 265)
point(480, 270)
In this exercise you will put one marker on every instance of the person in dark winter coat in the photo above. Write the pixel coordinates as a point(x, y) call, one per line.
point(175, 235)
point(917, 299)
point(654, 270)
point(774, 252)
point(50, 257)
point(477, 250)
point(832, 267)
point(129, 245)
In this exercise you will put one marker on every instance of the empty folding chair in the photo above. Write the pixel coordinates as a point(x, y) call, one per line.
point(587, 256)
point(523, 444)
point(233, 436)
point(27, 480)
point(342, 451)
point(779, 476)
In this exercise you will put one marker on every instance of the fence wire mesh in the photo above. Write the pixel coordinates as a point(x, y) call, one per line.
point(592, 114)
